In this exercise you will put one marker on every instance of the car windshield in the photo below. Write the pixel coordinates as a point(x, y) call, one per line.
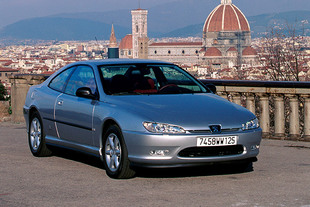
point(148, 79)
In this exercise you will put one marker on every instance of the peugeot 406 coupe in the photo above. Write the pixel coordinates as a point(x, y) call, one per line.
point(138, 113)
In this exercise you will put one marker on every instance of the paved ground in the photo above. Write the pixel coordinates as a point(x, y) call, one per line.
point(281, 177)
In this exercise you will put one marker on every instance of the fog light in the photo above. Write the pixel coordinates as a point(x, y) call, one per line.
point(159, 152)
point(254, 147)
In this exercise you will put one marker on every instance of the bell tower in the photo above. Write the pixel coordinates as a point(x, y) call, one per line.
point(139, 33)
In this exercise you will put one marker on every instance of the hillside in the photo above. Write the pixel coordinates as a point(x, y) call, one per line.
point(259, 24)
point(51, 28)
point(87, 27)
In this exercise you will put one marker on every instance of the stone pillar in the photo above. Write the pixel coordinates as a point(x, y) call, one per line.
point(264, 116)
point(236, 97)
point(294, 118)
point(250, 102)
point(4, 111)
point(306, 136)
point(20, 85)
point(279, 118)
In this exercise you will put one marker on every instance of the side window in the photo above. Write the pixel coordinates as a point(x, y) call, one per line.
point(83, 76)
point(172, 74)
point(59, 82)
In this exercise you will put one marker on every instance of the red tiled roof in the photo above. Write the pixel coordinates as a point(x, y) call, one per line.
point(226, 17)
point(48, 72)
point(232, 49)
point(202, 49)
point(248, 51)
point(126, 42)
point(213, 51)
point(8, 70)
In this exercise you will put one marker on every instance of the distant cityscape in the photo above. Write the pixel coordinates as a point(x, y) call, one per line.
point(226, 50)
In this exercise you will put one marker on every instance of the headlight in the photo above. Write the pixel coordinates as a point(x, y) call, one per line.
point(163, 128)
point(253, 124)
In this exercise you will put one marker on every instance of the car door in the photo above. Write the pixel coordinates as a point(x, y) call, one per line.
point(47, 100)
point(73, 114)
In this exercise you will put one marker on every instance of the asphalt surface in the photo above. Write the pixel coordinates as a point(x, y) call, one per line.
point(281, 177)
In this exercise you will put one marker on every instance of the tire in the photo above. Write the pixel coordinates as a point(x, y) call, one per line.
point(115, 154)
point(36, 137)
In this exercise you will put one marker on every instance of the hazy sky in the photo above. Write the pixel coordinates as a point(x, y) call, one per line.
point(14, 10)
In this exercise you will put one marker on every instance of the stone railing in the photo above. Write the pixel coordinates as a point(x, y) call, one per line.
point(20, 84)
point(4, 111)
point(283, 108)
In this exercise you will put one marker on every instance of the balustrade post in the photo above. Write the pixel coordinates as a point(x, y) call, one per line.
point(306, 136)
point(236, 98)
point(250, 102)
point(293, 118)
point(279, 118)
point(264, 115)
point(222, 94)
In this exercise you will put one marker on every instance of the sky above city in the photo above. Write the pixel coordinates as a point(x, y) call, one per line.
point(15, 10)
point(12, 11)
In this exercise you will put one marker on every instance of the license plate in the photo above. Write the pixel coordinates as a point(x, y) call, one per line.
point(217, 141)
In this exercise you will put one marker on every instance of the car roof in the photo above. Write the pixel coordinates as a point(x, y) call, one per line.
point(121, 61)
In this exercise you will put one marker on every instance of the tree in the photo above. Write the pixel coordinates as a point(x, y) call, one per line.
point(3, 92)
point(282, 55)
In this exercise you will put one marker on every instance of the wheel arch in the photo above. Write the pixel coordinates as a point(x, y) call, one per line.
point(105, 126)
point(32, 110)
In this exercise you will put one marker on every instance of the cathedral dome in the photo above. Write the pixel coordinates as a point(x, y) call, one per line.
point(126, 42)
point(226, 17)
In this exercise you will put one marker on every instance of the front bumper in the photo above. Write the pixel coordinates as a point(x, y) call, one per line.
point(26, 116)
point(141, 145)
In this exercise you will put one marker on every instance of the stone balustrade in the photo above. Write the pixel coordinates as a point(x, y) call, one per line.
point(283, 108)
point(20, 84)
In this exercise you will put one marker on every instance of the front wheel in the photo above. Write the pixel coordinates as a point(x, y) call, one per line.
point(115, 155)
point(36, 137)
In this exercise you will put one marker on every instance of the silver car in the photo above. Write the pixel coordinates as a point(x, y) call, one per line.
point(138, 113)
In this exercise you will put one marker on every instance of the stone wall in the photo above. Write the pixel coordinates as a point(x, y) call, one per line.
point(4, 111)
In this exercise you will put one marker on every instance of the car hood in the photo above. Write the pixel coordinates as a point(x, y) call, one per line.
point(191, 111)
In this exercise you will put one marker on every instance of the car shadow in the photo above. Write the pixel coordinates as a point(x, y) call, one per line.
point(77, 157)
point(208, 170)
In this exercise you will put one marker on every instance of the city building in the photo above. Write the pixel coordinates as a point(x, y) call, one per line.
point(227, 38)
point(5, 73)
point(226, 41)
point(139, 33)
point(113, 50)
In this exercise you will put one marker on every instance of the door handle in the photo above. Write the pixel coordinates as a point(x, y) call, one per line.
point(60, 102)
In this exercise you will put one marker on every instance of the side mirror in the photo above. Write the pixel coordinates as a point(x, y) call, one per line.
point(211, 86)
point(85, 92)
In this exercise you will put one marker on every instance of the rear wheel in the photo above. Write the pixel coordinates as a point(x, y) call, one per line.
point(36, 137)
point(115, 154)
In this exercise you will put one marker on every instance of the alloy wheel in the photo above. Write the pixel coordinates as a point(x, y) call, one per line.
point(113, 152)
point(35, 134)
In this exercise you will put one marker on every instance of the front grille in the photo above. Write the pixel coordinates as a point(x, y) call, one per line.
point(208, 131)
point(211, 151)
